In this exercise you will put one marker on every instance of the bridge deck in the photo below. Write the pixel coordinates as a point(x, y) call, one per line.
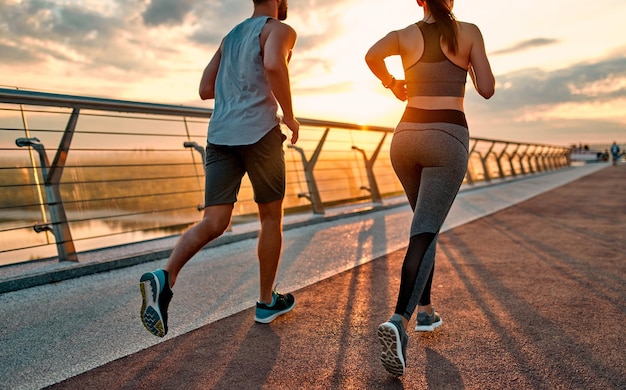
point(529, 280)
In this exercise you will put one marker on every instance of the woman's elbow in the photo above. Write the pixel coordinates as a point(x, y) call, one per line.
point(487, 89)
point(487, 92)
point(371, 58)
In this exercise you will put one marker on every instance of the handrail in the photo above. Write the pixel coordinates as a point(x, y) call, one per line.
point(101, 104)
point(47, 99)
point(337, 178)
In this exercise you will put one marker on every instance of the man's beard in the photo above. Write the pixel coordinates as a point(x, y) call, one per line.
point(282, 11)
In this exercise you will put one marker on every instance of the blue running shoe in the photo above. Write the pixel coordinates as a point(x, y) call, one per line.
point(394, 341)
point(156, 294)
point(281, 304)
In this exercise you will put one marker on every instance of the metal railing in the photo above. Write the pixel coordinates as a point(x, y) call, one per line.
point(127, 171)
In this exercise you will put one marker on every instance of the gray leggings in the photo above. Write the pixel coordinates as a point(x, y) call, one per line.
point(430, 159)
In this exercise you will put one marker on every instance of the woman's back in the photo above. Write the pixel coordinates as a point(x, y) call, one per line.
point(470, 55)
point(467, 55)
point(434, 74)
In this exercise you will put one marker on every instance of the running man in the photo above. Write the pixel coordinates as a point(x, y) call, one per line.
point(249, 78)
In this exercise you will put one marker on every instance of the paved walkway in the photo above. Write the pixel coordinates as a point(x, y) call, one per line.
point(532, 296)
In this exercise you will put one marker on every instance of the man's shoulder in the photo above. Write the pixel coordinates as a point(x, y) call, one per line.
point(275, 24)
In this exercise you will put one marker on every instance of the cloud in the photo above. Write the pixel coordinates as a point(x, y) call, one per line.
point(156, 45)
point(570, 99)
point(16, 55)
point(167, 12)
point(130, 35)
point(104, 39)
point(525, 45)
point(42, 19)
point(581, 82)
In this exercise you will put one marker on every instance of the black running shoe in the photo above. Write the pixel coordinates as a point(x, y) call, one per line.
point(394, 341)
point(281, 304)
point(156, 294)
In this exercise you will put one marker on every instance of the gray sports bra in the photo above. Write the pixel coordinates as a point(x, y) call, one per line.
point(434, 74)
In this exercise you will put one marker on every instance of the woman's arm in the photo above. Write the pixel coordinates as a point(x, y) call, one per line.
point(479, 67)
point(375, 59)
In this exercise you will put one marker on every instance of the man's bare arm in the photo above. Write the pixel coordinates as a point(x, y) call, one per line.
point(277, 53)
point(207, 83)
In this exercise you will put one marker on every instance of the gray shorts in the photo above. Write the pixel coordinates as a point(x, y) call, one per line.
point(264, 161)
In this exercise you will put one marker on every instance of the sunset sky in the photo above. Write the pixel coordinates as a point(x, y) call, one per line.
point(560, 65)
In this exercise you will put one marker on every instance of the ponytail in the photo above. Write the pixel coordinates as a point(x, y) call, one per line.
point(446, 22)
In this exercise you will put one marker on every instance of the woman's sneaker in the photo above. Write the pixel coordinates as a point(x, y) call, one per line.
point(281, 304)
point(156, 294)
point(428, 322)
point(394, 341)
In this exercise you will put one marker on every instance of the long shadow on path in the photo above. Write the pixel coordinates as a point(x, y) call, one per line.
point(532, 297)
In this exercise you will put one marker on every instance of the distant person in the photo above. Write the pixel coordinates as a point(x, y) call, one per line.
point(429, 149)
point(248, 77)
point(615, 152)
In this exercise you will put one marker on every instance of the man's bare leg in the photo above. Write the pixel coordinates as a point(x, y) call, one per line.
point(269, 247)
point(213, 224)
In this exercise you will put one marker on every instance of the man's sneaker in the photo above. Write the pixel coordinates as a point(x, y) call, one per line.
point(394, 340)
point(281, 304)
point(428, 322)
point(156, 294)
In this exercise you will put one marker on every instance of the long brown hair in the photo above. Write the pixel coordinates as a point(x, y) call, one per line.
point(446, 22)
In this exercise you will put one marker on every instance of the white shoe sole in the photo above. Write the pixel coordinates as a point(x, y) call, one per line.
point(391, 356)
point(150, 314)
point(429, 328)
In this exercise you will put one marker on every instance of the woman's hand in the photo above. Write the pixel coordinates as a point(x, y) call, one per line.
point(399, 89)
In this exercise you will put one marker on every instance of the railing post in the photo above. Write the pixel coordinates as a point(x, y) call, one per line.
point(521, 157)
point(199, 149)
point(549, 158)
point(513, 173)
point(498, 158)
point(555, 158)
point(52, 178)
point(539, 159)
point(529, 156)
point(369, 168)
point(567, 156)
point(484, 162)
point(468, 174)
point(546, 158)
point(314, 195)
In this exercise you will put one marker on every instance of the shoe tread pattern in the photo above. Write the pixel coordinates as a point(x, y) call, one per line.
point(150, 317)
point(389, 356)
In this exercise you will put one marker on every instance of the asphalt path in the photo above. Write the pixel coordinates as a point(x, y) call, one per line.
point(87, 329)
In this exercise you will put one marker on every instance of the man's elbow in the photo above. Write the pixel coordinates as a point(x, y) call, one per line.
point(273, 65)
point(206, 94)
